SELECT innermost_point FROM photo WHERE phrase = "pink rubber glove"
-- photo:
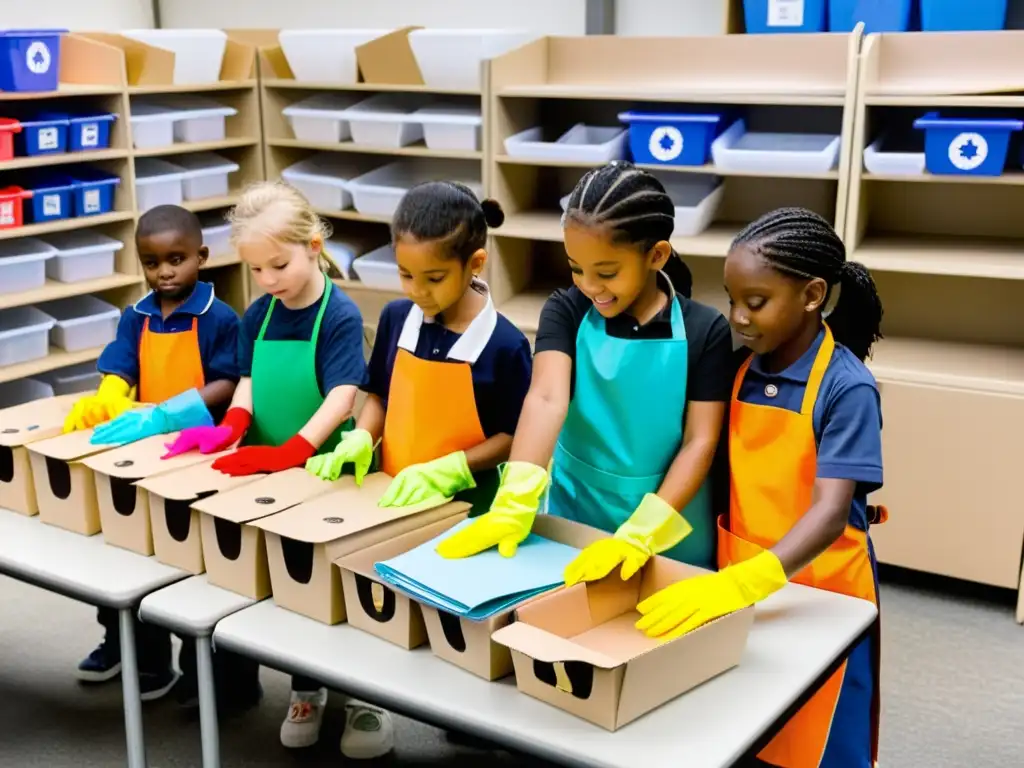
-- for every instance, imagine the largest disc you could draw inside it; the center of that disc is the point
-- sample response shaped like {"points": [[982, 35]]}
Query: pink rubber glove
{"points": [[211, 439]]}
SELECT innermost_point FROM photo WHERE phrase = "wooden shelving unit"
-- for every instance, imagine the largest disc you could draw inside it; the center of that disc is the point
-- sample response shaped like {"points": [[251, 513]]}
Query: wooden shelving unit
{"points": [[556, 82], [947, 254]]}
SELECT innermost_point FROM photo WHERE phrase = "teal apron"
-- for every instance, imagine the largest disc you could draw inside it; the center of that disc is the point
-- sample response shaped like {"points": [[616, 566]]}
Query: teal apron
{"points": [[623, 431]]}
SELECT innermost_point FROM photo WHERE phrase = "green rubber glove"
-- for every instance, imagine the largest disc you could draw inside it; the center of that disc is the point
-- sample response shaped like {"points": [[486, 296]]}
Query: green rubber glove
{"points": [[510, 518], [356, 447], [439, 479], [653, 527]]}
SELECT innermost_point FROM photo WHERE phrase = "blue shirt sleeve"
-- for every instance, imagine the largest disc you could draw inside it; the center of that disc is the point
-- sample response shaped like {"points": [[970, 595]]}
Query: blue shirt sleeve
{"points": [[382, 358], [850, 447], [221, 363], [248, 330], [514, 369], [121, 356], [339, 348]]}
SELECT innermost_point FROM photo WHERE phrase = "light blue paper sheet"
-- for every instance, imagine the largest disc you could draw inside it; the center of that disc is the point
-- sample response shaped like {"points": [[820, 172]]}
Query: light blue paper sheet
{"points": [[480, 586]]}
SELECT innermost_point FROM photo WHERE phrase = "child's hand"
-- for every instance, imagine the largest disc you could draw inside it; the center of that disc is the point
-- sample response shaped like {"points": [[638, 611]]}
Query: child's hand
{"points": [[210, 439], [255, 459], [111, 400]]}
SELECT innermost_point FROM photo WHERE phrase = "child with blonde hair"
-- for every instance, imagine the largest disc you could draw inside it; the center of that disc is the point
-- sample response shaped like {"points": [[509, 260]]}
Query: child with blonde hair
{"points": [[300, 354]]}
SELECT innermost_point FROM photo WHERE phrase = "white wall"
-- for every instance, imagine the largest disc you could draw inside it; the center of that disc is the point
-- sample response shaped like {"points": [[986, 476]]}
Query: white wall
{"points": [[77, 14], [669, 17]]}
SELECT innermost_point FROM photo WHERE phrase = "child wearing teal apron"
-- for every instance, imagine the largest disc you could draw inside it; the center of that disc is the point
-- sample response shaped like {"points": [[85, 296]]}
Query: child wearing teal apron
{"points": [[631, 380]]}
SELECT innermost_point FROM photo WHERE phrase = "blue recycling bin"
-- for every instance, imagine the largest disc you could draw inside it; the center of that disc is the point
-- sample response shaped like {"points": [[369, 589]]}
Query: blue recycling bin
{"points": [[964, 146], [962, 16], [85, 132], [784, 16], [94, 191], [51, 197], [877, 15], [666, 138], [30, 59], [43, 136]]}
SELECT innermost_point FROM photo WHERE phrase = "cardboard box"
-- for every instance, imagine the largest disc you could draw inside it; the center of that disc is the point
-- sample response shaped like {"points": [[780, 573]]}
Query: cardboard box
{"points": [[66, 488], [303, 542], [235, 554], [177, 532], [389, 59], [150, 65], [20, 426], [578, 648]]}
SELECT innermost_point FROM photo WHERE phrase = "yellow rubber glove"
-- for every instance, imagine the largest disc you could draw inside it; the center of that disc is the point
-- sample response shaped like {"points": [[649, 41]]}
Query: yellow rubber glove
{"points": [[654, 526], [114, 397], [688, 604], [355, 447], [510, 518], [438, 479]]}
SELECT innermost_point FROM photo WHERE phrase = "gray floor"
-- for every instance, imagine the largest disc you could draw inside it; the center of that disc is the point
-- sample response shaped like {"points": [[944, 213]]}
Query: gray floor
{"points": [[953, 691]]}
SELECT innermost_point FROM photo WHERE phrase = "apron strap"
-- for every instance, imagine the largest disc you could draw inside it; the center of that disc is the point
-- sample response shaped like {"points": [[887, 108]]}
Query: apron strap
{"points": [[324, 301], [821, 361]]}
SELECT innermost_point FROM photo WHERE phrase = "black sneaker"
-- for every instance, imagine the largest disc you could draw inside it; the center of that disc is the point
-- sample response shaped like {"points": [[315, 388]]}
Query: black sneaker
{"points": [[101, 665], [156, 685]]}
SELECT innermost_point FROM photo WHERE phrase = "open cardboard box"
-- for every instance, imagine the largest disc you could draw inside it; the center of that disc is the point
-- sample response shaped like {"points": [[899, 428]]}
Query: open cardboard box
{"points": [[378, 609], [177, 532], [578, 648], [303, 542], [65, 487], [235, 553], [19, 426], [150, 65]]}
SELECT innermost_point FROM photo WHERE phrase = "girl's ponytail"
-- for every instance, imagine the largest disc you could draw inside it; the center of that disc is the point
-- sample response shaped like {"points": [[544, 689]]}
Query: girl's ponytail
{"points": [[856, 319], [680, 275]]}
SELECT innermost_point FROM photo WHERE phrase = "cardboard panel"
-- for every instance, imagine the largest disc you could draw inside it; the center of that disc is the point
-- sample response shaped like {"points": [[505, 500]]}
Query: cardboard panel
{"points": [[389, 60], [65, 489]]}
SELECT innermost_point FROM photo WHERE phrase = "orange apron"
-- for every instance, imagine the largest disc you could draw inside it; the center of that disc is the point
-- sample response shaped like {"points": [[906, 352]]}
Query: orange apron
{"points": [[773, 460], [169, 363]]}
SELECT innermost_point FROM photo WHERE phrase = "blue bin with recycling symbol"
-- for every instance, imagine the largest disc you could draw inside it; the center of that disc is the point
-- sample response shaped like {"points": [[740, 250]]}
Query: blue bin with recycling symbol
{"points": [[660, 138], [966, 146], [29, 59]]}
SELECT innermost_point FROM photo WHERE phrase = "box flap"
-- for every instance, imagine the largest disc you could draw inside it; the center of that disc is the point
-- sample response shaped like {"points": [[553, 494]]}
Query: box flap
{"points": [[37, 420], [567, 531], [69, 447], [267, 496], [342, 512], [389, 59], [142, 458], [193, 482], [544, 646], [363, 561], [145, 64], [239, 62], [273, 64]]}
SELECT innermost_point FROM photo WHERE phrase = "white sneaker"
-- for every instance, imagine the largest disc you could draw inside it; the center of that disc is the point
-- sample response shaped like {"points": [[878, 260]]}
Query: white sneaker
{"points": [[301, 728], [369, 732]]}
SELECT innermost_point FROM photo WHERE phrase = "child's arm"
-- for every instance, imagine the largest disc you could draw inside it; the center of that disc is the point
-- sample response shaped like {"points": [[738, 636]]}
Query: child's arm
{"points": [[691, 465], [119, 364], [222, 372], [335, 410], [544, 409]]}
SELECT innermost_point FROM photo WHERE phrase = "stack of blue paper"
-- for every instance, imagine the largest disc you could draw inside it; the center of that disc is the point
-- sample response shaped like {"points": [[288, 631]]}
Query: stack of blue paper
{"points": [[480, 586]]}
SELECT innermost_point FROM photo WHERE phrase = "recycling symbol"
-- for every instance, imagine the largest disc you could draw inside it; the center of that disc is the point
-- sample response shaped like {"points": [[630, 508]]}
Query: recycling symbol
{"points": [[37, 58], [968, 151], [666, 143]]}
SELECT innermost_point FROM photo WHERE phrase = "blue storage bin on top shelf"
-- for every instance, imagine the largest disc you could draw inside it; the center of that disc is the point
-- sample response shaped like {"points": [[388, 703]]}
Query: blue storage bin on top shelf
{"points": [[962, 16], [94, 191], [29, 59], [660, 138], [51, 197], [963, 146], [877, 15], [85, 132], [785, 16], [42, 136]]}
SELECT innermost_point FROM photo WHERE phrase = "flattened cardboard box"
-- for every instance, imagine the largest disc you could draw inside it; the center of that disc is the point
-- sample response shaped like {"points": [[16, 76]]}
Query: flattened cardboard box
{"points": [[177, 532], [461, 641], [19, 426], [578, 648], [235, 554], [389, 59], [123, 506], [303, 542], [66, 488]]}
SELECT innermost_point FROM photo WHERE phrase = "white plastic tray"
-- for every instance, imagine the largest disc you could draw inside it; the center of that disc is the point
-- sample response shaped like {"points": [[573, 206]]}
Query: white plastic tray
{"points": [[24, 335], [157, 182], [450, 127], [206, 174], [82, 322], [379, 192], [178, 119], [198, 53], [581, 144], [892, 163], [324, 179], [325, 55], [343, 253], [73, 379], [82, 254], [321, 117], [378, 269], [23, 264], [217, 237], [696, 199], [21, 391], [739, 150], [450, 58], [385, 120]]}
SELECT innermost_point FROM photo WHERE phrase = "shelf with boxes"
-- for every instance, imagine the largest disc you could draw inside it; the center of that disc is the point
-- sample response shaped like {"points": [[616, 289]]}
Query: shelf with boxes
{"points": [[733, 128], [935, 194]]}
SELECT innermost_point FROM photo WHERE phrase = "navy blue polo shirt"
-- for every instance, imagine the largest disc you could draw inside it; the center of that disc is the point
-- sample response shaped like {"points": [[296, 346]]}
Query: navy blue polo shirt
{"points": [[339, 347], [501, 373], [217, 328], [847, 417]]}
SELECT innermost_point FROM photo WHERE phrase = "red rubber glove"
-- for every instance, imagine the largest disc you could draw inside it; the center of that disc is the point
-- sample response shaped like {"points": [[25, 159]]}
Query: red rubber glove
{"points": [[231, 429], [254, 459]]}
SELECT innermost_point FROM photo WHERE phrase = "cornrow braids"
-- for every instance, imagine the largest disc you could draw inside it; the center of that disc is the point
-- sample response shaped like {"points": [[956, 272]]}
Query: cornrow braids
{"points": [[634, 207], [447, 212], [800, 243]]}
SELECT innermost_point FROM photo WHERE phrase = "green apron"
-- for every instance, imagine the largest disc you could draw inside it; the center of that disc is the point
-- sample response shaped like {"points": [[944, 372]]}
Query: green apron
{"points": [[285, 393]]}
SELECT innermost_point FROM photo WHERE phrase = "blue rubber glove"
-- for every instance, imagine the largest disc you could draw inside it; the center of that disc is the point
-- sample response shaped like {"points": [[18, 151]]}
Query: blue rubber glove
{"points": [[180, 412]]}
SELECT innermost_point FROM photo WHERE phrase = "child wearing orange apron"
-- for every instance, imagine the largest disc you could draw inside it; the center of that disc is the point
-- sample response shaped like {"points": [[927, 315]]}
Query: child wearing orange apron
{"points": [[447, 375], [804, 450]]}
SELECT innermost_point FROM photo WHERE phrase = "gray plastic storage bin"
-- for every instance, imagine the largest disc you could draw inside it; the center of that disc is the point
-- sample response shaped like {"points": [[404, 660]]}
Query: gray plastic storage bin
{"points": [[21, 391], [73, 379], [81, 255], [23, 264], [83, 322], [24, 333]]}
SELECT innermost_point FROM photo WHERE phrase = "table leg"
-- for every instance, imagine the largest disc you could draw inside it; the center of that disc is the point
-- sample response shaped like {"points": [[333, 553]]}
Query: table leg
{"points": [[130, 690], [207, 703]]}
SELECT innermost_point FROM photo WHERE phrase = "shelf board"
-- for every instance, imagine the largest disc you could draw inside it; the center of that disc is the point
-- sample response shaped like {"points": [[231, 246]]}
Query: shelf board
{"points": [[979, 367], [1008, 178], [954, 256], [55, 290], [994, 100], [351, 215], [57, 358], [220, 85], [311, 86], [523, 309], [708, 168], [63, 225], [416, 150], [666, 92], [224, 260], [201, 146], [65, 89], [63, 158], [210, 203], [356, 285]]}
